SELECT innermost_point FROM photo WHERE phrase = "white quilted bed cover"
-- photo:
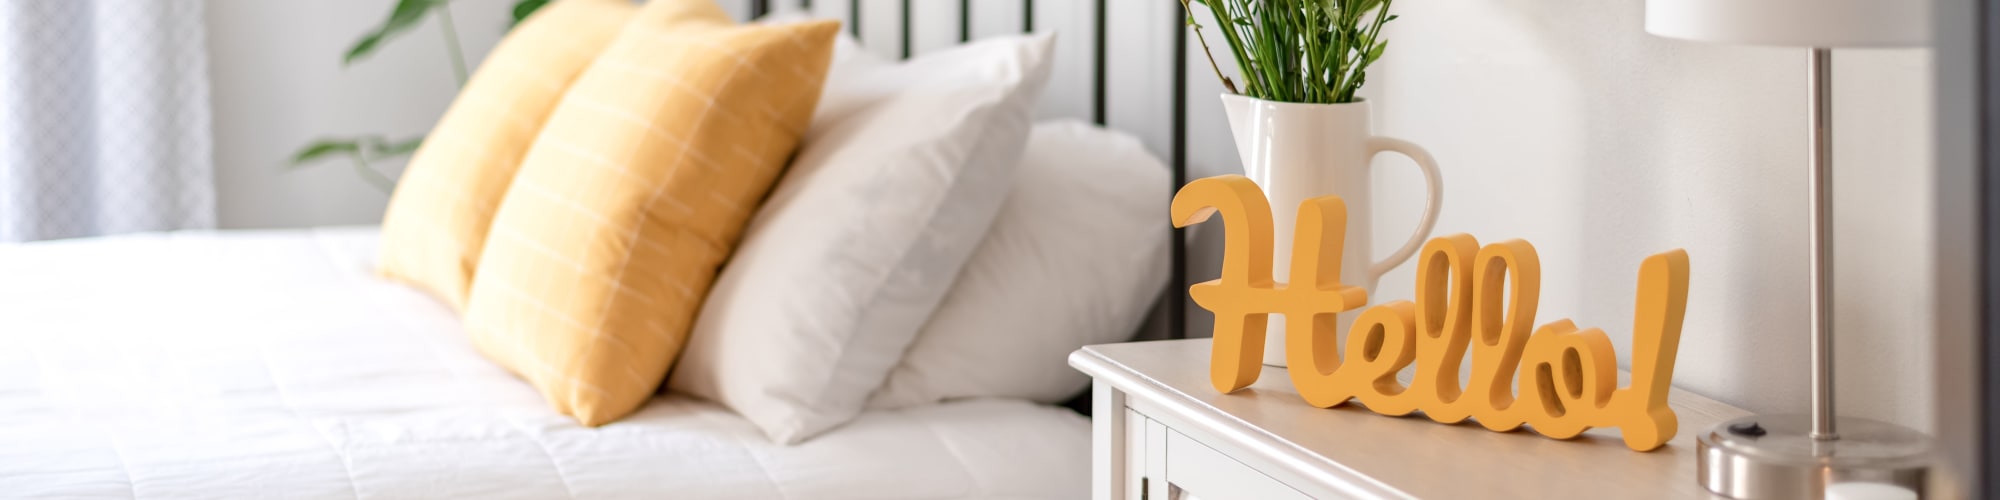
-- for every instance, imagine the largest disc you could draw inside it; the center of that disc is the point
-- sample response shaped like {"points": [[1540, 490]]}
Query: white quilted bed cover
{"points": [[275, 364]]}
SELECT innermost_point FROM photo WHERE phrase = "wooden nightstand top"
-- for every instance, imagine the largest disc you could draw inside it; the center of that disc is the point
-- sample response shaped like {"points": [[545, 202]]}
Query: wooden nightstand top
{"points": [[1353, 451]]}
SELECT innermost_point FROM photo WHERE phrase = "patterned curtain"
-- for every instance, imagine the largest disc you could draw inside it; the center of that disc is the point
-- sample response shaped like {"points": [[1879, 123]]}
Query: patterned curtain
{"points": [[104, 118]]}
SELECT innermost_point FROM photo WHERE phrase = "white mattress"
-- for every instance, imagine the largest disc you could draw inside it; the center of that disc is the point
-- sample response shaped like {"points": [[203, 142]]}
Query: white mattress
{"points": [[274, 364]]}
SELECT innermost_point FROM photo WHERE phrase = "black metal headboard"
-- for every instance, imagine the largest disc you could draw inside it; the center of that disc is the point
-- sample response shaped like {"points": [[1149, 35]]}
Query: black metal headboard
{"points": [[1177, 154]]}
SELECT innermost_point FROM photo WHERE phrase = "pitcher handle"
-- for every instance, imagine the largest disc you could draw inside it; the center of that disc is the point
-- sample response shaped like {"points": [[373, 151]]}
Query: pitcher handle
{"points": [[1434, 199]]}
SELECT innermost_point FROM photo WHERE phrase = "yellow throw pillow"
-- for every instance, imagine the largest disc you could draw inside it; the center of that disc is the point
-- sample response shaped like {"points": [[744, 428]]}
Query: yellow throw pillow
{"points": [[437, 219], [634, 194]]}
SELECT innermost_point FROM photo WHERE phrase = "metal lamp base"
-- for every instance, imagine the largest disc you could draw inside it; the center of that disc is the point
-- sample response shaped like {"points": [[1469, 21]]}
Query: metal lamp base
{"points": [[1775, 456]]}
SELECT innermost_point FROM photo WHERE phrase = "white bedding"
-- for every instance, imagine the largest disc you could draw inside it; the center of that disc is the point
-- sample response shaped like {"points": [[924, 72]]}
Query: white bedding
{"points": [[275, 364]]}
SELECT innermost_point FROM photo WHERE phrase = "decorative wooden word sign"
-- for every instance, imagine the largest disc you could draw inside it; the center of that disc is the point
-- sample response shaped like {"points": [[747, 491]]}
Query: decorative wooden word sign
{"points": [[1568, 377]]}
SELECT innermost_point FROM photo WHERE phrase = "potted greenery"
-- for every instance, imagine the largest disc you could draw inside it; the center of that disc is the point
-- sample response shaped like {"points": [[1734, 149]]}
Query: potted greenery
{"points": [[1301, 131]]}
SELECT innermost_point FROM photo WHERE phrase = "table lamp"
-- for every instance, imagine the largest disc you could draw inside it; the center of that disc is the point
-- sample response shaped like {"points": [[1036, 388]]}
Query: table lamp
{"points": [[1799, 456]]}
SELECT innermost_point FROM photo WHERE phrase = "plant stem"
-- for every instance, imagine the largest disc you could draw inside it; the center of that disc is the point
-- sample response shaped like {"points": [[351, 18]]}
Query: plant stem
{"points": [[450, 32], [1361, 66], [1189, 9], [369, 174], [1230, 34]]}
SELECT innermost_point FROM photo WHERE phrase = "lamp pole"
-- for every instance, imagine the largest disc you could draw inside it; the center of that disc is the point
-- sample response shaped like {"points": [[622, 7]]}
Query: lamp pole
{"points": [[1802, 456], [1819, 92]]}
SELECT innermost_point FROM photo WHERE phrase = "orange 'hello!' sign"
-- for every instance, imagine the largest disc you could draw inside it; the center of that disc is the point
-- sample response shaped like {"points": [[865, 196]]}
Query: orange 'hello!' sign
{"points": [[1568, 377]]}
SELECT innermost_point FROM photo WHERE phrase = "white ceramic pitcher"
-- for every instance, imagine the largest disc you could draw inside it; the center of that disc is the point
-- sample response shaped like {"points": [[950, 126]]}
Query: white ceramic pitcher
{"points": [[1297, 151]]}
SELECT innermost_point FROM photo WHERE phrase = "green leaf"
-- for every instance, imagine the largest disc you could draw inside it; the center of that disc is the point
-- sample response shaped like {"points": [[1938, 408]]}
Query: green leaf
{"points": [[404, 16], [361, 48], [379, 149], [1376, 53], [322, 148], [525, 8]]}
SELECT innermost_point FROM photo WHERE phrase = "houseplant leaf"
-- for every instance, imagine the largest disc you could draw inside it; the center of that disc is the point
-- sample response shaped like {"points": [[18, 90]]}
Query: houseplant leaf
{"points": [[323, 148], [525, 8], [380, 149], [404, 16]]}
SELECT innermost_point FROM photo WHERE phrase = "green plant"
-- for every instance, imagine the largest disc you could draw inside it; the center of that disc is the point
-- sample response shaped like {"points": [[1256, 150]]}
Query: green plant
{"points": [[367, 150], [1310, 51]]}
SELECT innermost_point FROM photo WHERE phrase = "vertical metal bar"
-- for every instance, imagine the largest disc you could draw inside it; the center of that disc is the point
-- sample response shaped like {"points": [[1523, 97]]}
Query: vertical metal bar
{"points": [[1983, 473], [854, 17], [1984, 470], [964, 21], [1097, 92], [906, 29], [759, 7], [806, 5], [1819, 93], [1027, 16], [1177, 300]]}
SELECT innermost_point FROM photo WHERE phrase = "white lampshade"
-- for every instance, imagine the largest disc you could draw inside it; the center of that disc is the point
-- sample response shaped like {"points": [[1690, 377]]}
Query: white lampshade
{"points": [[1798, 23]]}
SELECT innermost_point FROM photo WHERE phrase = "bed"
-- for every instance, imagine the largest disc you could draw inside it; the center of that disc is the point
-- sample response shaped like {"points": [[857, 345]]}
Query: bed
{"points": [[203, 381]]}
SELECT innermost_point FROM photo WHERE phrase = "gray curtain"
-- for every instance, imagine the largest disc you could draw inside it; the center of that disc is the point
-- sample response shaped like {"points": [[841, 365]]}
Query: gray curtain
{"points": [[104, 118]]}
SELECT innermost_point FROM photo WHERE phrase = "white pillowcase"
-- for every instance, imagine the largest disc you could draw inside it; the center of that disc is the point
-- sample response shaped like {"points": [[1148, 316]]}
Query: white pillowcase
{"points": [[900, 176], [1077, 257]]}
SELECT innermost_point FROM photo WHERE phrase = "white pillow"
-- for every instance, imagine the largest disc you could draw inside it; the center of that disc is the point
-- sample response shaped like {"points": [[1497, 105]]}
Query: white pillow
{"points": [[1077, 257], [900, 175]]}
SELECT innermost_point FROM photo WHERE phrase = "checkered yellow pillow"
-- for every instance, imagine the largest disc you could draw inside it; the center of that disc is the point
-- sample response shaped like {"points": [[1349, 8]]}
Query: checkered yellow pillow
{"points": [[437, 219], [633, 195]]}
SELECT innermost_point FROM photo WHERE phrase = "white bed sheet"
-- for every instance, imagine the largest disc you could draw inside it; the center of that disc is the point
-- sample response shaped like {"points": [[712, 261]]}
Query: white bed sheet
{"points": [[275, 364]]}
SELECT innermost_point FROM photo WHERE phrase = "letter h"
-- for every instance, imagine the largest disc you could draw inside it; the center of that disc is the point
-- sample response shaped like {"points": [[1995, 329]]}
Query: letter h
{"points": [[1245, 295]]}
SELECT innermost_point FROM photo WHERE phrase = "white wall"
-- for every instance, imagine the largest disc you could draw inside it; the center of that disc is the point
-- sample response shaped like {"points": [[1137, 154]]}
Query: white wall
{"points": [[1559, 122], [278, 84], [1563, 123]]}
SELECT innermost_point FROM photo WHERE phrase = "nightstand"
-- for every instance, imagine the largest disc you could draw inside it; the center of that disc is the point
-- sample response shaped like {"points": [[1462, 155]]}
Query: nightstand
{"points": [[1160, 431]]}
